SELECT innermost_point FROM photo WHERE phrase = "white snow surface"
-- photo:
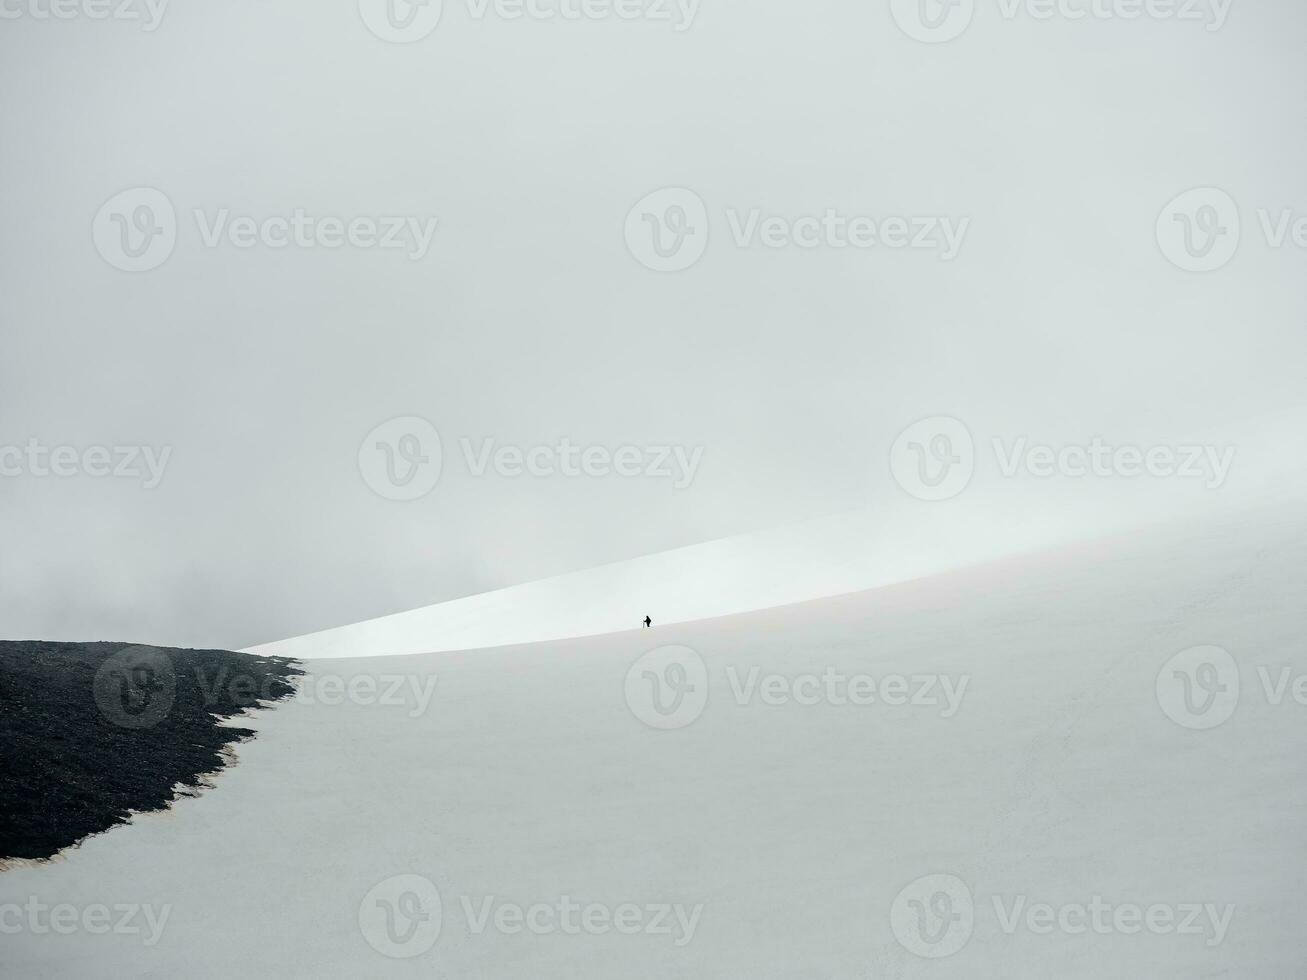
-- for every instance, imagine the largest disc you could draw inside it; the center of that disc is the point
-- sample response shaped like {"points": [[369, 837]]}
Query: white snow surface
{"points": [[1060, 780], [894, 539]]}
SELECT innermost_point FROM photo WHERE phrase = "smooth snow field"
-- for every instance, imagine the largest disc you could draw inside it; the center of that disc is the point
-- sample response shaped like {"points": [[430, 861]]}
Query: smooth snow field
{"points": [[893, 539], [1090, 762]]}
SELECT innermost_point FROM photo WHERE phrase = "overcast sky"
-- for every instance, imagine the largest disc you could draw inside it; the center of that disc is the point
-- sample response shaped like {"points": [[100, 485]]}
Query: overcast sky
{"points": [[1032, 160]]}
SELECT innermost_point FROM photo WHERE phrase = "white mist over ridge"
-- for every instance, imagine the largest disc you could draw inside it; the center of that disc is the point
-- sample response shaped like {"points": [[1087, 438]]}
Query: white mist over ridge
{"points": [[1001, 513]]}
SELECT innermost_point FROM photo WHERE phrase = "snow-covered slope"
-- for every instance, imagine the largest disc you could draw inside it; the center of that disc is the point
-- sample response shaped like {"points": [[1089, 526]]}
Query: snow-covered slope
{"points": [[898, 539], [989, 773]]}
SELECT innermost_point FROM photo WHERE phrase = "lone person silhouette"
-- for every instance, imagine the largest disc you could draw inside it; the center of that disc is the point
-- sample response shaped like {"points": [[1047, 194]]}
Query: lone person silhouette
{"points": [[647, 622]]}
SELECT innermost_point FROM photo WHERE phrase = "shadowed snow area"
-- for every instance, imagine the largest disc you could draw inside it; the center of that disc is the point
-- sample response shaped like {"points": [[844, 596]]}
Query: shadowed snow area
{"points": [[1073, 795]]}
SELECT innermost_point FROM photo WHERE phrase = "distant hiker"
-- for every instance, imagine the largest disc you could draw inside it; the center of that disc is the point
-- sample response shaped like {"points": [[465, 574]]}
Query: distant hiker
{"points": [[647, 622]]}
